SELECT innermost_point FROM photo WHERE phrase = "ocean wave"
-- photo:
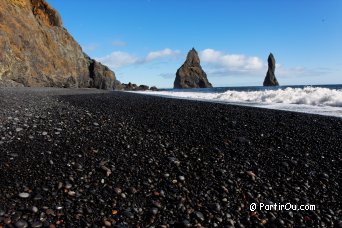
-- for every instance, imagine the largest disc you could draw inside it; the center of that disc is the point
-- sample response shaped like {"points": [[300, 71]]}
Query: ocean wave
{"points": [[314, 96], [307, 96], [314, 100]]}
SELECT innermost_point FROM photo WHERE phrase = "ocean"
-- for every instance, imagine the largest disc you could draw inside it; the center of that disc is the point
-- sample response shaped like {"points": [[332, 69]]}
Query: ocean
{"points": [[315, 99]]}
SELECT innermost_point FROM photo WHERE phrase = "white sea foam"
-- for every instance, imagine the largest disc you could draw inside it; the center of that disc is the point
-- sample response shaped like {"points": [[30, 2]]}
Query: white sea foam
{"points": [[316, 100]]}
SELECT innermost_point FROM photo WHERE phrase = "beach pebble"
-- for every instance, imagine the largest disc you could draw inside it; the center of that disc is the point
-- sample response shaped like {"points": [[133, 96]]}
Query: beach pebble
{"points": [[72, 193], [117, 190], [34, 209], [37, 197], [128, 214], [24, 195], [107, 223], [154, 210], [21, 224], [18, 129], [36, 224], [199, 215]]}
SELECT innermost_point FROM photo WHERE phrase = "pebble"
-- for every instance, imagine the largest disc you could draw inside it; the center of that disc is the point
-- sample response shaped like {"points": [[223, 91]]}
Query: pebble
{"points": [[24, 195], [154, 210], [117, 190], [68, 186], [18, 129], [34, 209], [199, 215], [36, 224], [128, 214], [251, 174], [50, 212], [186, 223], [7, 221], [21, 224], [132, 190], [123, 195], [71, 193], [107, 223], [37, 197]]}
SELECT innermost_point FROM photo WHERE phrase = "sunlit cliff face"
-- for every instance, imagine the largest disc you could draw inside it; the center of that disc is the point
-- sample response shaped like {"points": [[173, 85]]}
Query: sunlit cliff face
{"points": [[41, 9]]}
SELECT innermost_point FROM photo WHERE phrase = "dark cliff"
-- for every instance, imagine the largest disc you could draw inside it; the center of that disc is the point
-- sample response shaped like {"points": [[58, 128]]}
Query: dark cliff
{"points": [[37, 51]]}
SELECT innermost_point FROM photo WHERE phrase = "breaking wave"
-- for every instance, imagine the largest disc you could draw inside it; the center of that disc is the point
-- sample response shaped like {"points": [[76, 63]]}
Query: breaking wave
{"points": [[309, 99]]}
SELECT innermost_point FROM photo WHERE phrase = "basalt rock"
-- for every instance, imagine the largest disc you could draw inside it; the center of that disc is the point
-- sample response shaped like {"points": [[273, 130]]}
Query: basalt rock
{"points": [[191, 74], [153, 88], [135, 87], [37, 51], [270, 79]]}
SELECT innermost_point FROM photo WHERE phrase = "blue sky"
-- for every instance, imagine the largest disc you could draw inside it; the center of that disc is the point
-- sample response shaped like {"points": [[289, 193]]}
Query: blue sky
{"points": [[146, 41]]}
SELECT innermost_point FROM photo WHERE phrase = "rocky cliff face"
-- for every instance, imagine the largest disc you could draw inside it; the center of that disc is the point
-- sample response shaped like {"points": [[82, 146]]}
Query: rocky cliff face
{"points": [[191, 74], [270, 79], [37, 51]]}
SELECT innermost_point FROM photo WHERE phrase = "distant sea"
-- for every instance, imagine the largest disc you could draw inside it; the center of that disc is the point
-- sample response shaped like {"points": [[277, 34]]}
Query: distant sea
{"points": [[316, 99]]}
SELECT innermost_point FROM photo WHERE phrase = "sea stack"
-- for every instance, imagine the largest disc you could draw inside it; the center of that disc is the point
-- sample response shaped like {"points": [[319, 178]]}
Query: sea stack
{"points": [[37, 51], [190, 74], [270, 79]]}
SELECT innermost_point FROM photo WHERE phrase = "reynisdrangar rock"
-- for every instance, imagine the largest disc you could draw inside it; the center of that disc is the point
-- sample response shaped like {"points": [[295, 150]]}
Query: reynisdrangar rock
{"points": [[270, 79], [191, 74]]}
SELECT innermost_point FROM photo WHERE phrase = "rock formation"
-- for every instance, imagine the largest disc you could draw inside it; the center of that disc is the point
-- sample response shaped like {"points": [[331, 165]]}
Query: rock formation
{"points": [[135, 87], [37, 51], [270, 79], [191, 74]]}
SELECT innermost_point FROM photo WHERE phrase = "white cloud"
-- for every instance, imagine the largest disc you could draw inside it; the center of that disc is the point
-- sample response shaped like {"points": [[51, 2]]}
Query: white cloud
{"points": [[119, 59], [231, 63], [160, 54]]}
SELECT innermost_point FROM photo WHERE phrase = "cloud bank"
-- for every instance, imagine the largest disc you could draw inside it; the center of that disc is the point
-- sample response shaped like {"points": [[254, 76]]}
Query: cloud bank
{"points": [[119, 59], [231, 64]]}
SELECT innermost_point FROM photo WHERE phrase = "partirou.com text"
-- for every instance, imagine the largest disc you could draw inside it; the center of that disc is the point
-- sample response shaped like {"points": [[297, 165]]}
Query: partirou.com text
{"points": [[281, 207]]}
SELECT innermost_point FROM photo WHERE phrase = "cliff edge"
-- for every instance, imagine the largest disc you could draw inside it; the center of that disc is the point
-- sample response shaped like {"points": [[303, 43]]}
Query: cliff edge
{"points": [[36, 50]]}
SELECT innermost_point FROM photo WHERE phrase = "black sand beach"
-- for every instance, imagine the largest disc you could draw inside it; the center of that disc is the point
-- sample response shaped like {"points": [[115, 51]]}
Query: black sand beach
{"points": [[78, 158]]}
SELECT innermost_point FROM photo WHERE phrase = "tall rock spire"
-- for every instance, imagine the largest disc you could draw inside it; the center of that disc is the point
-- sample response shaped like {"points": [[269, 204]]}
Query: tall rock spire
{"points": [[191, 74], [270, 79]]}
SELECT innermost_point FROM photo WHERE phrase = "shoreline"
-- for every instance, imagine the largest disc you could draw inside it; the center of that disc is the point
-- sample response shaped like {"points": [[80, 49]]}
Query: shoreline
{"points": [[276, 103], [117, 158], [252, 105]]}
